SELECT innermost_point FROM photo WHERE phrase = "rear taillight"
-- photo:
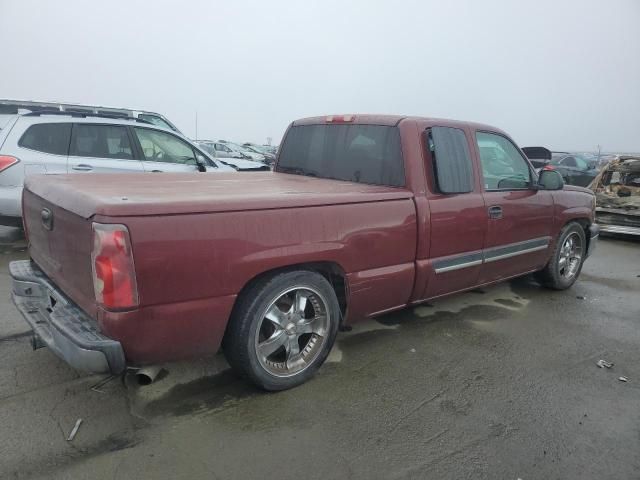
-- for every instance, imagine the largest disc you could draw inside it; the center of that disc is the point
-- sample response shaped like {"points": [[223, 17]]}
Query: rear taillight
{"points": [[548, 167], [114, 275], [6, 161]]}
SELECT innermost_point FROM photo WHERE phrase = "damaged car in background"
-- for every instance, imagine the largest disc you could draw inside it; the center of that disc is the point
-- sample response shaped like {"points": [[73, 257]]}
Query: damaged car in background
{"points": [[575, 168], [617, 189]]}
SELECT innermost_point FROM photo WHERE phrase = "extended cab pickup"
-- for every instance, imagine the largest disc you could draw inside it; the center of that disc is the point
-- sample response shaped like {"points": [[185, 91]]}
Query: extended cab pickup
{"points": [[362, 215]]}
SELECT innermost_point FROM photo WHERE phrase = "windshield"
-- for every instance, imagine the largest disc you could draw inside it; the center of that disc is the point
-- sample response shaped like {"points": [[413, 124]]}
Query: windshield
{"points": [[156, 120], [208, 147], [357, 153], [234, 147]]}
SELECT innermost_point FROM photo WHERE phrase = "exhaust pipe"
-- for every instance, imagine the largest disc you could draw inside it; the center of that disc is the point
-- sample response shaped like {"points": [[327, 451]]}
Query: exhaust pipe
{"points": [[36, 342], [147, 375]]}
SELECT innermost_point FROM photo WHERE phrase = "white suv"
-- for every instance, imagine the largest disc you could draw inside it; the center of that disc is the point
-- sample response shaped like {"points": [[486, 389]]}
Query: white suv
{"points": [[64, 142]]}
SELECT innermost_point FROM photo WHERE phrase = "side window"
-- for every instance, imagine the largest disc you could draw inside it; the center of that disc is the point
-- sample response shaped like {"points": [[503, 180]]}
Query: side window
{"points": [[163, 147], [47, 138], [100, 141], [452, 166], [581, 163], [569, 162], [503, 167]]}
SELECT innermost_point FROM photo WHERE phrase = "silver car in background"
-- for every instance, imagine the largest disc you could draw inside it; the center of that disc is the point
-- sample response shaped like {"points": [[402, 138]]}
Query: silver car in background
{"points": [[223, 152], [66, 142]]}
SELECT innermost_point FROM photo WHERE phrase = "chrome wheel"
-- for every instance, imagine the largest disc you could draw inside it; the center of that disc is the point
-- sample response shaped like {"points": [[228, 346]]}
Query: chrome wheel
{"points": [[292, 331], [570, 256]]}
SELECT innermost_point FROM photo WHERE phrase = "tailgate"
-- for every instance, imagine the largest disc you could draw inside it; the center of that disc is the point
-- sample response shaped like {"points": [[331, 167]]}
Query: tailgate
{"points": [[62, 249]]}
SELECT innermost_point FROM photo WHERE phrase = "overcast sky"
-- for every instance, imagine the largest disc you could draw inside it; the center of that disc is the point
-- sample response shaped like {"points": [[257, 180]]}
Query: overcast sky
{"points": [[559, 73]]}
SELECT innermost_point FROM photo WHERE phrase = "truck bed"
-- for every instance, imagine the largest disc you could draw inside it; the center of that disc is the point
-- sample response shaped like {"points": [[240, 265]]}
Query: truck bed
{"points": [[116, 195]]}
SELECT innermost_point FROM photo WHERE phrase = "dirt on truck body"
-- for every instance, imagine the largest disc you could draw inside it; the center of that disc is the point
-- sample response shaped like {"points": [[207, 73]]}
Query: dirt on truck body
{"points": [[617, 189]]}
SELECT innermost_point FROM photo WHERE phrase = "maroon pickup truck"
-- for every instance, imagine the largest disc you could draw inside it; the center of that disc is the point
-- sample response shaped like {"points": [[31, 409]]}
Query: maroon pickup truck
{"points": [[363, 215]]}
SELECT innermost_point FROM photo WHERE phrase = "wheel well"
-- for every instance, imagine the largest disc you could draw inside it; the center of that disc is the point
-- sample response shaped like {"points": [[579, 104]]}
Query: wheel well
{"points": [[334, 274], [585, 224]]}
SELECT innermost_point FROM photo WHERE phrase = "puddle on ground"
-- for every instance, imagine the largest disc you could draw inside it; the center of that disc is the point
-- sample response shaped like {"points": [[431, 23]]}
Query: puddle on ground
{"points": [[204, 394]]}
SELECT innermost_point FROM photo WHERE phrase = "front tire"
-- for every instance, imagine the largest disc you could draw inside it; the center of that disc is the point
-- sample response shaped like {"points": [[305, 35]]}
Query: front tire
{"points": [[282, 329], [567, 259]]}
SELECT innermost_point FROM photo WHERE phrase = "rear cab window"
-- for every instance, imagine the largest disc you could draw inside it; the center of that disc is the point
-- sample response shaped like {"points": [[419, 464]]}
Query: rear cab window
{"points": [[503, 167], [359, 153], [450, 160], [50, 138]]}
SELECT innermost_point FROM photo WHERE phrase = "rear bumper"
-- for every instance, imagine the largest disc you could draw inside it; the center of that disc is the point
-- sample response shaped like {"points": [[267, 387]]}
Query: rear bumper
{"points": [[61, 325]]}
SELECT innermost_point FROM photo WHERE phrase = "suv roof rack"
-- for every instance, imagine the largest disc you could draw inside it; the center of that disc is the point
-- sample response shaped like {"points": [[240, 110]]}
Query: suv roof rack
{"points": [[13, 106], [37, 113]]}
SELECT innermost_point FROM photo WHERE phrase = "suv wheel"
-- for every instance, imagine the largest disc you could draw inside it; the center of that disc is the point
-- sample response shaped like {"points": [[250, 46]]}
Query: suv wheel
{"points": [[282, 329]]}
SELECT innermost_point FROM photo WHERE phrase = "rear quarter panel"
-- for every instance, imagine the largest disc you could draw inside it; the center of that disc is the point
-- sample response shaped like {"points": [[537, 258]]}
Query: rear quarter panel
{"points": [[190, 268]]}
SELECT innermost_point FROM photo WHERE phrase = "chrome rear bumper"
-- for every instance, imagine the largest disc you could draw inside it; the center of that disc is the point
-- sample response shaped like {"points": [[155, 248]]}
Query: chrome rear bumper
{"points": [[60, 324]]}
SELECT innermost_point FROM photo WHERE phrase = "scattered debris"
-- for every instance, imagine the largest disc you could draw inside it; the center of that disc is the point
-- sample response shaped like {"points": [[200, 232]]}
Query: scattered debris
{"points": [[413, 350], [75, 430], [623, 379], [580, 297], [604, 364], [102, 383]]}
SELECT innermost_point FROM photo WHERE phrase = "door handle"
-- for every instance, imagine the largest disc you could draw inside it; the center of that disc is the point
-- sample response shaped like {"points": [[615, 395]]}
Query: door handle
{"points": [[82, 167], [495, 211]]}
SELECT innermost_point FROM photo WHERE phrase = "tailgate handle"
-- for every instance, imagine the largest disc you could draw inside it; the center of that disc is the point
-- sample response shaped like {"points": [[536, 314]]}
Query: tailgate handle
{"points": [[47, 218], [83, 167], [495, 211]]}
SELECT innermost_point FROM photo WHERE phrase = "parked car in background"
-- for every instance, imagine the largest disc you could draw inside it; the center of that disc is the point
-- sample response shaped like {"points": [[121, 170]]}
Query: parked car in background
{"points": [[66, 142], [576, 169], [538, 156], [219, 149], [269, 157], [617, 189], [247, 153], [14, 107], [364, 214], [235, 159]]}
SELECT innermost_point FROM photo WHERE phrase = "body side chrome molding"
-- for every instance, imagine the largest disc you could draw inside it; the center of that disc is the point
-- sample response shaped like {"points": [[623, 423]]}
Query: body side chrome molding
{"points": [[493, 254]]}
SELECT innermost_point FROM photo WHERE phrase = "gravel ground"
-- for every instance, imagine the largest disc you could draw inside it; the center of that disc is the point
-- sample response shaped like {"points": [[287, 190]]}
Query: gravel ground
{"points": [[500, 383]]}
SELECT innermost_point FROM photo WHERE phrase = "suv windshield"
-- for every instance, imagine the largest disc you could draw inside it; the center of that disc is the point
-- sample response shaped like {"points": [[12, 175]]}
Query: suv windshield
{"points": [[356, 153], [156, 120]]}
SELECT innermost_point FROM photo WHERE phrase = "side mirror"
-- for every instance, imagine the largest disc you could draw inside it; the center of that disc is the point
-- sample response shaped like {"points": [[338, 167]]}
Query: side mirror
{"points": [[201, 163], [550, 180]]}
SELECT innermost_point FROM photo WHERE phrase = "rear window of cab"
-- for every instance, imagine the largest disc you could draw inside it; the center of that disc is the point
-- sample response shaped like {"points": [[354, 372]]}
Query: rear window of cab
{"points": [[368, 154]]}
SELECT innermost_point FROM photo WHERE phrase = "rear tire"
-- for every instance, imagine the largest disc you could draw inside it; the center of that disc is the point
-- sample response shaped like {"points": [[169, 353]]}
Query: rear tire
{"points": [[282, 329], [567, 259]]}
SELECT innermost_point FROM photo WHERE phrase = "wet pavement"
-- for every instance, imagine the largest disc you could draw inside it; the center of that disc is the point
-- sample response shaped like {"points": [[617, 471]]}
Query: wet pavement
{"points": [[498, 383]]}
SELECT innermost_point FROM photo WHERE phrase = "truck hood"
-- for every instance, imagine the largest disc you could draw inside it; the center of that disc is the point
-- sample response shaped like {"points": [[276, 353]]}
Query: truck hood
{"points": [[576, 188], [122, 194]]}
